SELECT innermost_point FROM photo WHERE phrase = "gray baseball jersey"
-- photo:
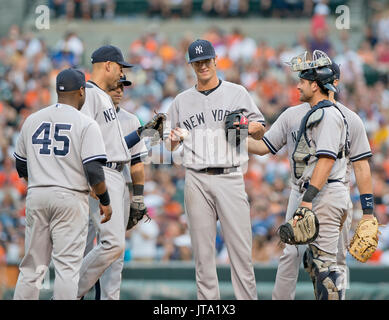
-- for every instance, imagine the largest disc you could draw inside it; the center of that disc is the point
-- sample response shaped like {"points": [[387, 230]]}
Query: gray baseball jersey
{"points": [[99, 262], [98, 105], [204, 117], [212, 197], [55, 142], [110, 280], [284, 132]]}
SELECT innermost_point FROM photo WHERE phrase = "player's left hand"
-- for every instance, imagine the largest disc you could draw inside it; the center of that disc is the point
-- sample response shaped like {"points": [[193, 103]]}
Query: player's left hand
{"points": [[137, 211], [302, 228], [153, 127]]}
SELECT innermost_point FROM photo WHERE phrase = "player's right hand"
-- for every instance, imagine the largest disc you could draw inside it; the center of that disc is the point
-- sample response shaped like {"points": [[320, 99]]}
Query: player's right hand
{"points": [[106, 211], [178, 134]]}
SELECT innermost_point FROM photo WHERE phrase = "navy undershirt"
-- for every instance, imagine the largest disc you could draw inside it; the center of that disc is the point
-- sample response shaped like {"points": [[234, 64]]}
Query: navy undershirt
{"points": [[207, 92]]}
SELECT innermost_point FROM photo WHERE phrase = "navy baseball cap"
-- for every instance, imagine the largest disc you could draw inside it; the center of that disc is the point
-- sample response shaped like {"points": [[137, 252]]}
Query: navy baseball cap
{"points": [[200, 50], [124, 81], [109, 53], [70, 80]]}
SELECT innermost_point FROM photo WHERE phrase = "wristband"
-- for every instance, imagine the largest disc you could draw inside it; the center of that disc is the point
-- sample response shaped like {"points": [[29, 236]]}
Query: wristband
{"points": [[367, 203], [138, 189], [104, 198], [132, 139], [310, 193]]}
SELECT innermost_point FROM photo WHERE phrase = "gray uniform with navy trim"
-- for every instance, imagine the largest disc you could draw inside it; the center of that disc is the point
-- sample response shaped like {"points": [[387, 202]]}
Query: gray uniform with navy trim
{"points": [[111, 279], [55, 142], [222, 197], [99, 106], [283, 133]]}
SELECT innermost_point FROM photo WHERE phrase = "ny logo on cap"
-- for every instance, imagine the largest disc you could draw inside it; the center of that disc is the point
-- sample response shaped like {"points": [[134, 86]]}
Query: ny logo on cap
{"points": [[199, 49]]}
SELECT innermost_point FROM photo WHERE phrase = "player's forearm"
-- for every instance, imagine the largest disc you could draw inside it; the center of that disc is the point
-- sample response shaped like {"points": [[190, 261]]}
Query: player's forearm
{"points": [[363, 176], [99, 188], [101, 191], [321, 172], [257, 146], [365, 186], [318, 180], [256, 130], [137, 172]]}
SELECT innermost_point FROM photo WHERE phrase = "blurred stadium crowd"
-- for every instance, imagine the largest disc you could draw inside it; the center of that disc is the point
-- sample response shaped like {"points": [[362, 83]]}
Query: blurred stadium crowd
{"points": [[106, 9], [28, 68]]}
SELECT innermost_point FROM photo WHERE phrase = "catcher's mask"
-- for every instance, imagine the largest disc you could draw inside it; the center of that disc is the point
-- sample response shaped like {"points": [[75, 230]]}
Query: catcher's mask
{"points": [[318, 68]]}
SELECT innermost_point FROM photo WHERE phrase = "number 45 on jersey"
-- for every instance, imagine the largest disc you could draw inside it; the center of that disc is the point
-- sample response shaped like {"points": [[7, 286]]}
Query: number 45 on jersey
{"points": [[42, 137]]}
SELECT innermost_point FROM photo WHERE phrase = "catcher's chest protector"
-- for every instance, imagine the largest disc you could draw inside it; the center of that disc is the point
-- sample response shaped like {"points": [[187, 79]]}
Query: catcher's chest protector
{"points": [[304, 149]]}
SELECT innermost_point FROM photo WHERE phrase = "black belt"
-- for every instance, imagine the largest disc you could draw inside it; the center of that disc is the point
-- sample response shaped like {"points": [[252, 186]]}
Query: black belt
{"points": [[217, 170], [118, 166], [306, 184]]}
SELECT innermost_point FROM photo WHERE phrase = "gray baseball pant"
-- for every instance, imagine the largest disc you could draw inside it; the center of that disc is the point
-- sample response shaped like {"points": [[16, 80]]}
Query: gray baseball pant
{"points": [[56, 228], [111, 236], [335, 207], [110, 281], [223, 197]]}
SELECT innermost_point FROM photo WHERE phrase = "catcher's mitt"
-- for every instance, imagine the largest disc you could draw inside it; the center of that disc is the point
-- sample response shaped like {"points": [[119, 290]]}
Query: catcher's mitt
{"points": [[303, 228], [137, 211], [365, 240], [235, 123], [153, 128]]}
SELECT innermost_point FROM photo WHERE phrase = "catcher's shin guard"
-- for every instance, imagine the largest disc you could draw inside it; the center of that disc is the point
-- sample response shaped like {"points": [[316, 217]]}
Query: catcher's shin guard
{"points": [[325, 276]]}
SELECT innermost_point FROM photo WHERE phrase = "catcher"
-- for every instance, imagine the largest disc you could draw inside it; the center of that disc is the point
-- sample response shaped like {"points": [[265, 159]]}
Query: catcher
{"points": [[319, 148], [283, 133]]}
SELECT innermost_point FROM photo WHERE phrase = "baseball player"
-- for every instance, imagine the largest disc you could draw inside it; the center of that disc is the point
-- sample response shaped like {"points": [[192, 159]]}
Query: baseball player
{"points": [[59, 151], [214, 185], [107, 64], [109, 284], [284, 132]]}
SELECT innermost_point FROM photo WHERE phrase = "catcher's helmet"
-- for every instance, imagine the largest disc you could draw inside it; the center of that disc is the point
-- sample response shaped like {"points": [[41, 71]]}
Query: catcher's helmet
{"points": [[317, 68], [324, 76]]}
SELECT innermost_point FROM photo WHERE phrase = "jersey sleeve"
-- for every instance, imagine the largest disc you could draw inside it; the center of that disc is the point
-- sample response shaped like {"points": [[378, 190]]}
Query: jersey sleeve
{"points": [[328, 134], [92, 144], [251, 111], [20, 152], [276, 137], [359, 143]]}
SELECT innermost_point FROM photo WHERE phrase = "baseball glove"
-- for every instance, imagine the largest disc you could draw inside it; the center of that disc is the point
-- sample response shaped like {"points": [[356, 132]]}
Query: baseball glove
{"points": [[365, 240], [137, 211], [235, 123], [153, 128], [303, 228]]}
